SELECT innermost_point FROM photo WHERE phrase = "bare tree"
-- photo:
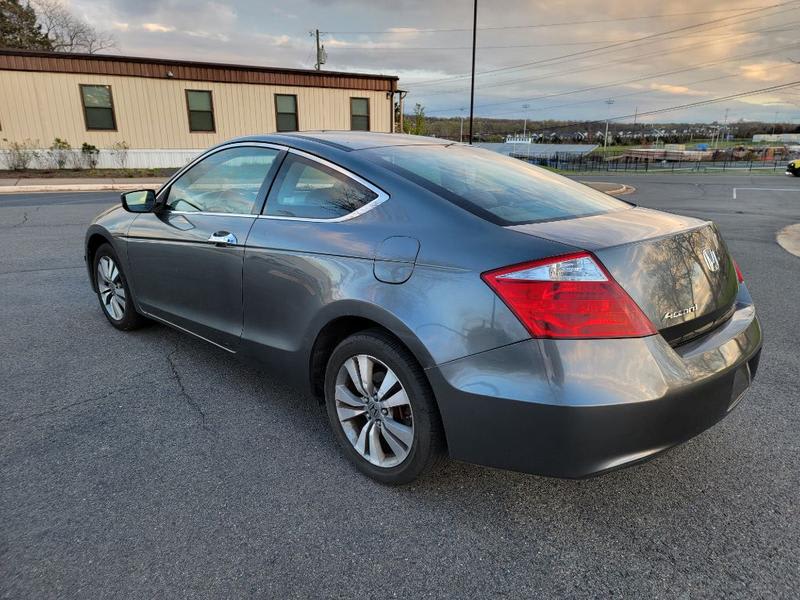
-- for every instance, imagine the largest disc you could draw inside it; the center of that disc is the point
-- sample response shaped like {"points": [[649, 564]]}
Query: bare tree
{"points": [[68, 33]]}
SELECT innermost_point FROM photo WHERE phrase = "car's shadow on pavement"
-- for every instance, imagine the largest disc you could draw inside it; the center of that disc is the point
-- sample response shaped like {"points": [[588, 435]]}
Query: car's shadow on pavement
{"points": [[220, 389]]}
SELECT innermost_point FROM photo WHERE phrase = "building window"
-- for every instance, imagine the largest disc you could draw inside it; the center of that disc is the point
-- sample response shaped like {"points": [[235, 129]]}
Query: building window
{"points": [[98, 107], [286, 112], [359, 114], [201, 110]]}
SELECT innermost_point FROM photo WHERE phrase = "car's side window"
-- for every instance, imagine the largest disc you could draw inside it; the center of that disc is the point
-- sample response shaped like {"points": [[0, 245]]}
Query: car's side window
{"points": [[308, 189], [228, 181]]}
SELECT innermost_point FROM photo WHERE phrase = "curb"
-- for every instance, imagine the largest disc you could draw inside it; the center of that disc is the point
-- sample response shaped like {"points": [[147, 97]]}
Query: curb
{"points": [[602, 186], [789, 239], [78, 187]]}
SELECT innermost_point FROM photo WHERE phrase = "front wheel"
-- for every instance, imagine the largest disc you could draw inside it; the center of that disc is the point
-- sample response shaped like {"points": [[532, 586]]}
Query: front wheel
{"points": [[382, 409], [113, 291]]}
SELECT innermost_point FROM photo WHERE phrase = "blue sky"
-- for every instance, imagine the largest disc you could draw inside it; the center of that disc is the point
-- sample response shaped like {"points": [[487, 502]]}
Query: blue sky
{"points": [[548, 52]]}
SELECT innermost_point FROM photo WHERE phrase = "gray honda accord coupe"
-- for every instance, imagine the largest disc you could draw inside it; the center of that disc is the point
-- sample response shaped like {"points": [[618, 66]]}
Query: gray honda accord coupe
{"points": [[440, 298]]}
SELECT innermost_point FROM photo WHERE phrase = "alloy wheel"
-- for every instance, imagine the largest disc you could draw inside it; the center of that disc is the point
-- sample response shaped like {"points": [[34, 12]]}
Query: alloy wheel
{"points": [[111, 287], [374, 411]]}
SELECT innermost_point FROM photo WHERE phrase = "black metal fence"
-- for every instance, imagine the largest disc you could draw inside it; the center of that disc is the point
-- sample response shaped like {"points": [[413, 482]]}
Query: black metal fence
{"points": [[595, 162]]}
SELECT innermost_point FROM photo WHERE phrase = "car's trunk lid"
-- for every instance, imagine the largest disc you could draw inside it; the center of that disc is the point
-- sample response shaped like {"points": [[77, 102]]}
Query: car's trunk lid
{"points": [[677, 269]]}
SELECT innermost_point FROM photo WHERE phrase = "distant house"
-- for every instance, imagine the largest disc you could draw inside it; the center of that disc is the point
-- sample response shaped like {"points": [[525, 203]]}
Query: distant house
{"points": [[786, 138]]}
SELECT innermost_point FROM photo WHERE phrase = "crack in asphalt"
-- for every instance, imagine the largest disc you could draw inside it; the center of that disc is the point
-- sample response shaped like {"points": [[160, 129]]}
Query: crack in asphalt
{"points": [[25, 217], [58, 409], [194, 404], [24, 220]]}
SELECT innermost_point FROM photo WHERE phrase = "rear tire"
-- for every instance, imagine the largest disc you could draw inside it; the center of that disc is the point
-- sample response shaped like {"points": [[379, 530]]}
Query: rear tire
{"points": [[113, 291], [387, 422]]}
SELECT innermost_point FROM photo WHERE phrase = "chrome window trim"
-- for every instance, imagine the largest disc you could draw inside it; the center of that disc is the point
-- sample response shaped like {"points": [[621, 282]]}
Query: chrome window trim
{"points": [[212, 214], [380, 199]]}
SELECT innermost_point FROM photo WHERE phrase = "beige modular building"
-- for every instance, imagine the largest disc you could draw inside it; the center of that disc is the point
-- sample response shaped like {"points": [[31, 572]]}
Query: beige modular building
{"points": [[166, 111]]}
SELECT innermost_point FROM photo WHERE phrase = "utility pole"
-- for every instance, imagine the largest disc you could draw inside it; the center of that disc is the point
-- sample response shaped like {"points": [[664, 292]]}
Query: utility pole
{"points": [[472, 82], [461, 130], [525, 123], [610, 101], [725, 125], [321, 57]]}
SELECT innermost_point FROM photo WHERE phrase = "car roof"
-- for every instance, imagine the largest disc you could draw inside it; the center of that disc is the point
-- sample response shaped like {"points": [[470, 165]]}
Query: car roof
{"points": [[347, 141]]}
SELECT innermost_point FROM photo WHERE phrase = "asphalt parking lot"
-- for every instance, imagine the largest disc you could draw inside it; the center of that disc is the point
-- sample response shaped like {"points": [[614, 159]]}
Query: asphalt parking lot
{"points": [[150, 464]]}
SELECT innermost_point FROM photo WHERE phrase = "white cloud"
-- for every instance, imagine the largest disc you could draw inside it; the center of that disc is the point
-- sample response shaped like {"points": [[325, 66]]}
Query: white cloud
{"points": [[157, 28], [764, 71], [680, 90]]}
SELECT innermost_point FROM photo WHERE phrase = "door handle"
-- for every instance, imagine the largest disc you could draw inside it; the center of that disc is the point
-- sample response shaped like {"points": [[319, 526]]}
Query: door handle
{"points": [[223, 238]]}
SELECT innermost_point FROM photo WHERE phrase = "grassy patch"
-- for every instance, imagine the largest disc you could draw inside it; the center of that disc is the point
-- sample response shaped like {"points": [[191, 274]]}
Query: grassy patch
{"points": [[85, 173]]}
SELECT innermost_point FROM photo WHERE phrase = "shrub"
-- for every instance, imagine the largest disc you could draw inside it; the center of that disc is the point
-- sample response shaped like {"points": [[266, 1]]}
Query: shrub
{"points": [[89, 156], [119, 152], [20, 155], [59, 153]]}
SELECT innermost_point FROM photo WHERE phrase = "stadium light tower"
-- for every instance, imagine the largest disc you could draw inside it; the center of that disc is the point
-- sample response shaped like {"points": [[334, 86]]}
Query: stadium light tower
{"points": [[610, 101], [525, 107]]}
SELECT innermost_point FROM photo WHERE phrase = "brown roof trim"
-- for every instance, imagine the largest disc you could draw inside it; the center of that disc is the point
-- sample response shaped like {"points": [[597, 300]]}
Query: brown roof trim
{"points": [[156, 68]]}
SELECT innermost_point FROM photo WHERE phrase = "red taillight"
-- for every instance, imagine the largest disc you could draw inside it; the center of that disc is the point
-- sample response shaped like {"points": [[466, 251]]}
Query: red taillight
{"points": [[739, 275], [569, 296]]}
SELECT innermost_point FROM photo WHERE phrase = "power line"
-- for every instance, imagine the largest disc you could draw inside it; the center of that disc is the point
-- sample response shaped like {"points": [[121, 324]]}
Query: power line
{"points": [[562, 73], [596, 50], [394, 48], [355, 46], [773, 88], [510, 115], [400, 30], [658, 111], [635, 80], [628, 95]]}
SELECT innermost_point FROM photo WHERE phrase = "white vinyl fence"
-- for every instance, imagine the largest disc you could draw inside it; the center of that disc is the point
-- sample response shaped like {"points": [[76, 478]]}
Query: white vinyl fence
{"points": [[135, 159]]}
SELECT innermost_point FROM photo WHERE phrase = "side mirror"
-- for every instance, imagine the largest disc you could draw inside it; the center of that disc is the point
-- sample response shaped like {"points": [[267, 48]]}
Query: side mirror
{"points": [[140, 201]]}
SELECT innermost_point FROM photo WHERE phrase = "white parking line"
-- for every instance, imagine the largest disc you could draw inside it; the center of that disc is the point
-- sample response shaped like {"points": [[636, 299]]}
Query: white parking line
{"points": [[767, 190]]}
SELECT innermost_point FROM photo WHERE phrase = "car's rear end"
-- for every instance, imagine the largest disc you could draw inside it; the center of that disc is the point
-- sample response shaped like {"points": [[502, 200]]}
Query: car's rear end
{"points": [[634, 348], [641, 337]]}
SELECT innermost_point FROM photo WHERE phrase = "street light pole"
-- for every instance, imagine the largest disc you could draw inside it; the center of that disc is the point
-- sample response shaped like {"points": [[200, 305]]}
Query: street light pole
{"points": [[610, 101], [461, 130], [525, 123], [472, 82]]}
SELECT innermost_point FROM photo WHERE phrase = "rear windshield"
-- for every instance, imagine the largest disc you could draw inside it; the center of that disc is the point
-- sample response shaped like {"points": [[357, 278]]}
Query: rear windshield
{"points": [[504, 190]]}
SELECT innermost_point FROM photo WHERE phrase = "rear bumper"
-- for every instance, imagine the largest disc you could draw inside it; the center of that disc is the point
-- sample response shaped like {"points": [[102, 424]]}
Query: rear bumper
{"points": [[573, 408]]}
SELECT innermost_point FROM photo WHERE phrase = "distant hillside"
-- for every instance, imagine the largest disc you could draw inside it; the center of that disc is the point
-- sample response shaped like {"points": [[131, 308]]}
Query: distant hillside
{"points": [[495, 130]]}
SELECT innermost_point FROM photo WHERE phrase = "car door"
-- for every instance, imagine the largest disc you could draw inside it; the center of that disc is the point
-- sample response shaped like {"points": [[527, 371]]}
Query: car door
{"points": [[316, 237], [186, 258]]}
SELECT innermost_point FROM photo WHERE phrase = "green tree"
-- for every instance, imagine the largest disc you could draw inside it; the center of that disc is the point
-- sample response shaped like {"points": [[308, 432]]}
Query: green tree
{"points": [[18, 28], [416, 125]]}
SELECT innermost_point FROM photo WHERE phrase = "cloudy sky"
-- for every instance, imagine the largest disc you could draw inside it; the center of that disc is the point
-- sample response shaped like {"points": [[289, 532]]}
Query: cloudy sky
{"points": [[546, 59]]}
